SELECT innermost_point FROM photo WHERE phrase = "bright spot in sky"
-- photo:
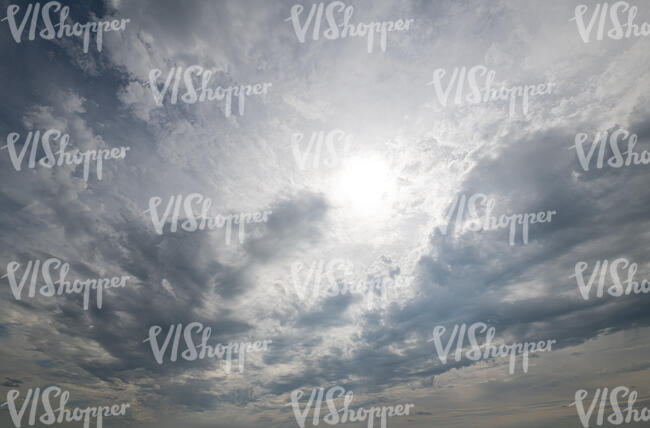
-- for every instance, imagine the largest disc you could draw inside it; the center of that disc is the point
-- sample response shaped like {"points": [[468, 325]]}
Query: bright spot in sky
{"points": [[365, 187]]}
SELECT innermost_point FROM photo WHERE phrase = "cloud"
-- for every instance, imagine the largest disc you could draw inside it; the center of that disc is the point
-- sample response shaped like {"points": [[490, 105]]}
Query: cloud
{"points": [[245, 163]]}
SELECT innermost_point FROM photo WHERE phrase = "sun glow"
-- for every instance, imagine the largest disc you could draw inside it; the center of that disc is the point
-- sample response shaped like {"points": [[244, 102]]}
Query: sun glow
{"points": [[365, 186]]}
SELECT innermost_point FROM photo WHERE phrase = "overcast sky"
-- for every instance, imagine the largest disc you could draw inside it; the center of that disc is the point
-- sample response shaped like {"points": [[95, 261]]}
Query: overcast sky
{"points": [[377, 207]]}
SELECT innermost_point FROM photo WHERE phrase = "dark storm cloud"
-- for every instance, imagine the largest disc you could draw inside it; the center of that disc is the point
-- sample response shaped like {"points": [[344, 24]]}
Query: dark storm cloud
{"points": [[12, 383], [294, 224], [330, 313]]}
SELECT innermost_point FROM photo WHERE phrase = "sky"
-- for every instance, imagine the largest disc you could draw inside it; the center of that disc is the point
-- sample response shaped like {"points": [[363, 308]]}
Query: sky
{"points": [[367, 204]]}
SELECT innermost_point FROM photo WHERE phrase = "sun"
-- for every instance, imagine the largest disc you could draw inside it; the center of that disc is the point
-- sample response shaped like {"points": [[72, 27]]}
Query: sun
{"points": [[365, 186]]}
